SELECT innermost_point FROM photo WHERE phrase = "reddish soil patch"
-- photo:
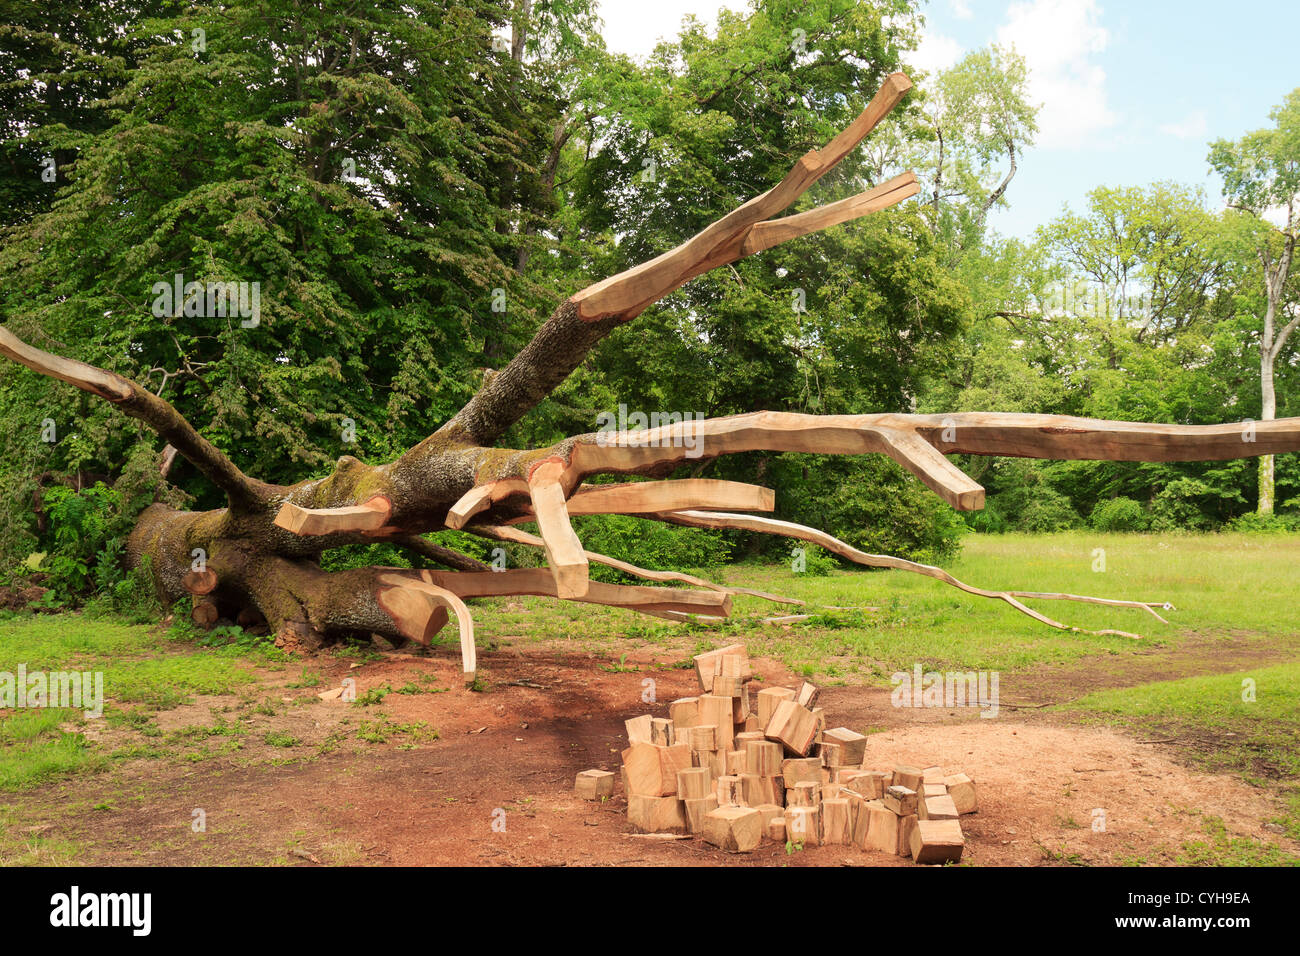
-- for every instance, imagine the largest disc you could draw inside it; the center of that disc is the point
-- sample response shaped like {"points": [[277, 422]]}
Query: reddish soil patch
{"points": [[511, 754]]}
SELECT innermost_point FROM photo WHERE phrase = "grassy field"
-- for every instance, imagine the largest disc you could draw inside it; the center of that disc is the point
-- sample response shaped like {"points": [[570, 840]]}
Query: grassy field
{"points": [[1240, 584], [1227, 590]]}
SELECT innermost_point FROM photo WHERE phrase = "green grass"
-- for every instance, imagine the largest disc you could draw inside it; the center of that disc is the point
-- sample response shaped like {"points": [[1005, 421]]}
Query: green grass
{"points": [[1253, 738], [145, 668], [34, 749], [926, 621]]}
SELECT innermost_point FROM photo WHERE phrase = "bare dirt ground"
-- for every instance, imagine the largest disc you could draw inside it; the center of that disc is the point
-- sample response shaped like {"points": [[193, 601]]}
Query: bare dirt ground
{"points": [[507, 757]]}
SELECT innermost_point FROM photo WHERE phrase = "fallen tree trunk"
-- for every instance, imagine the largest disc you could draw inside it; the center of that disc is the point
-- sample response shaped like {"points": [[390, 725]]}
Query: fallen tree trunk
{"points": [[259, 556]]}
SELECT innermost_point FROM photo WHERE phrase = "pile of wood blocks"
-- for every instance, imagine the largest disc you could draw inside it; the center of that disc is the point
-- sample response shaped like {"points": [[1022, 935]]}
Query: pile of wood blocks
{"points": [[736, 774]]}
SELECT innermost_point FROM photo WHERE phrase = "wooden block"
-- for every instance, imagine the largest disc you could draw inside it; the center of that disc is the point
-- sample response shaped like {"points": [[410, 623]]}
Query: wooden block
{"points": [[703, 737], [906, 827], [856, 804], [757, 790], [830, 788], [638, 729], [735, 665], [735, 762], [656, 814], [881, 830], [652, 770], [908, 777], [937, 841], [806, 794], [861, 820], [803, 825], [847, 775], [768, 698], [929, 790], [714, 760], [793, 726], [763, 757], [743, 737], [697, 808], [694, 783], [888, 778], [594, 784], [740, 708], [819, 722], [709, 664], [728, 686], [776, 829], [853, 746], [684, 712], [752, 723], [736, 829], [799, 770], [716, 710], [729, 792], [661, 731], [900, 800], [832, 755], [962, 790], [836, 826], [932, 775], [807, 696], [937, 808], [871, 784], [771, 811]]}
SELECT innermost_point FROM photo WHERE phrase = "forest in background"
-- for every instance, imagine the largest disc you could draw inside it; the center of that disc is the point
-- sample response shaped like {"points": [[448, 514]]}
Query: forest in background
{"points": [[415, 186]]}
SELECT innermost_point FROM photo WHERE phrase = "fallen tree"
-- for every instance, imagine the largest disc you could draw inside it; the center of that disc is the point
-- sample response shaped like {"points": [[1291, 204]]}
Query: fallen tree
{"points": [[260, 555]]}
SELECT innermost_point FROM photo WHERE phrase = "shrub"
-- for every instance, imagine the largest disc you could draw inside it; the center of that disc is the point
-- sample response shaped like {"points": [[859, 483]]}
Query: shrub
{"points": [[1182, 505], [1253, 522], [868, 502], [86, 539], [649, 544], [1119, 514], [812, 560]]}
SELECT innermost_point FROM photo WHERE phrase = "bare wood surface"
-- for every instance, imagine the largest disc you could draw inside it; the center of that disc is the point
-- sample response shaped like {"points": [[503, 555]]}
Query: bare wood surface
{"points": [[564, 552], [370, 515]]}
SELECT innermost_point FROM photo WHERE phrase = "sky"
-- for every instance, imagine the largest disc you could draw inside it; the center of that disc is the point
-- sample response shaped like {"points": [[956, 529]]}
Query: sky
{"points": [[1130, 93]]}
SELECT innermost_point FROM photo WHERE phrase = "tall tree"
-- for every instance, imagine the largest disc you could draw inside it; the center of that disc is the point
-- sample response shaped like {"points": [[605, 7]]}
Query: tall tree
{"points": [[977, 121], [1261, 178]]}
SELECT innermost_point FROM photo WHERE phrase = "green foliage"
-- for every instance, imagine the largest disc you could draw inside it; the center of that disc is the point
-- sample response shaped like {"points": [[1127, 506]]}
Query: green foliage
{"points": [[1024, 494], [1119, 514], [649, 544], [1252, 522], [86, 543], [817, 561], [364, 556], [869, 502], [1182, 505]]}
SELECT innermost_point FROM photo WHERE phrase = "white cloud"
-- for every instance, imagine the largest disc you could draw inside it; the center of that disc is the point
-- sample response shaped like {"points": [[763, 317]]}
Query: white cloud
{"points": [[1192, 126], [635, 26], [961, 9], [1059, 40], [935, 52]]}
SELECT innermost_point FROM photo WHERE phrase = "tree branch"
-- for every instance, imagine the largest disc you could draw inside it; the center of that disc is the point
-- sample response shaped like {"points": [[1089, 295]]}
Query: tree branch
{"points": [[141, 404], [588, 316]]}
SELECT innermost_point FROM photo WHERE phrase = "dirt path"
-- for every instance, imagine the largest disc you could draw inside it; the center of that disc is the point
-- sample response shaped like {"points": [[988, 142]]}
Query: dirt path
{"points": [[509, 756]]}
